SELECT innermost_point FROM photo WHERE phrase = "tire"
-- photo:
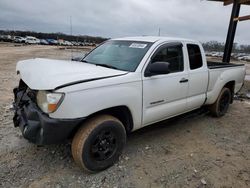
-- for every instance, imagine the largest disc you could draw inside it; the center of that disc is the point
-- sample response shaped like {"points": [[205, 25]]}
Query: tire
{"points": [[220, 107], [98, 143]]}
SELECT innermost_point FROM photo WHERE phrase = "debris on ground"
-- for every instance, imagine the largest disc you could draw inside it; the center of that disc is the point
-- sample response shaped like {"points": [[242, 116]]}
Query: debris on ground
{"points": [[203, 181]]}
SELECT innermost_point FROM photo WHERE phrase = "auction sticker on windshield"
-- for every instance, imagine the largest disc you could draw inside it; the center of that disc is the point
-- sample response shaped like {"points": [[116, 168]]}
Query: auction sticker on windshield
{"points": [[138, 45]]}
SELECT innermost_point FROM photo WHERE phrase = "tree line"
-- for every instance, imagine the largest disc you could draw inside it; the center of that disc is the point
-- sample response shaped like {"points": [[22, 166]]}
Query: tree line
{"points": [[208, 46], [219, 47], [56, 36]]}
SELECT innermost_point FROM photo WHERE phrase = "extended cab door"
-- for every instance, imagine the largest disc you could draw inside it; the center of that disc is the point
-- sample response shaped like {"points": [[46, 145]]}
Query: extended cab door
{"points": [[165, 95], [198, 76]]}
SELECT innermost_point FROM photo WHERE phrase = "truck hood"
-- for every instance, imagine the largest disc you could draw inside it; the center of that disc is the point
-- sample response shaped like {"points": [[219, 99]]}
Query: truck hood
{"points": [[48, 74]]}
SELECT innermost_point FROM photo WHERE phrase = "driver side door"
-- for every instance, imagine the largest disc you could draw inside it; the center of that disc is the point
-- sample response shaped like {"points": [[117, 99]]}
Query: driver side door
{"points": [[165, 95]]}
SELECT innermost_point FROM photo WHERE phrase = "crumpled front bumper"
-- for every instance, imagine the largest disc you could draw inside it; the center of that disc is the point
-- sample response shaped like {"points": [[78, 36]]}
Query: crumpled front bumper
{"points": [[37, 126]]}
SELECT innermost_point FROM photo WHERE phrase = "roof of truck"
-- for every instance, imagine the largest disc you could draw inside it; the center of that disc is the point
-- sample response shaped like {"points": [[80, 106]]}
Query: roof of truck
{"points": [[153, 39]]}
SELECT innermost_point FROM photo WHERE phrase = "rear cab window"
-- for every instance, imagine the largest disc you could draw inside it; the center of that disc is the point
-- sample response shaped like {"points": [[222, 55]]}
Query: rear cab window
{"points": [[195, 57]]}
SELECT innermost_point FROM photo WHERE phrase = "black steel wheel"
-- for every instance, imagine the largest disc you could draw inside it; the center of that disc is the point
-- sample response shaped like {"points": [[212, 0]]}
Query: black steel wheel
{"points": [[104, 145], [98, 143], [221, 105]]}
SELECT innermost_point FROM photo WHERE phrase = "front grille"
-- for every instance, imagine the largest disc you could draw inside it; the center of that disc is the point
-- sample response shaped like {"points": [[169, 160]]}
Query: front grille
{"points": [[31, 94], [23, 94]]}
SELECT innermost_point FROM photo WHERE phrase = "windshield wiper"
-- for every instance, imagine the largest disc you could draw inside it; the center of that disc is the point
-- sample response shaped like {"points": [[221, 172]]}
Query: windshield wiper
{"points": [[84, 61], [99, 64], [105, 65]]}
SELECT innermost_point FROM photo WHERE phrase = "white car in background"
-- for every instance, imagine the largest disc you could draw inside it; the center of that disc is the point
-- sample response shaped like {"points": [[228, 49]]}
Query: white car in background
{"points": [[244, 58], [32, 40], [67, 43], [19, 39]]}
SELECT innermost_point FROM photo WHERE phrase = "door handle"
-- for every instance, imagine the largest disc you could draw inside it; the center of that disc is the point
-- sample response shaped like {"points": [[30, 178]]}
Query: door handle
{"points": [[183, 80]]}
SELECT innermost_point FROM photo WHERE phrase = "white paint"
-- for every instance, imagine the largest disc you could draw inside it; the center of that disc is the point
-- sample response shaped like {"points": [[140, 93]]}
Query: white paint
{"points": [[132, 90], [47, 74]]}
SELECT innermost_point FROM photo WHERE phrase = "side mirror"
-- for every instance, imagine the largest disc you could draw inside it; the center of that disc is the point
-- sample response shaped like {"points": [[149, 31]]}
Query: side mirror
{"points": [[157, 68]]}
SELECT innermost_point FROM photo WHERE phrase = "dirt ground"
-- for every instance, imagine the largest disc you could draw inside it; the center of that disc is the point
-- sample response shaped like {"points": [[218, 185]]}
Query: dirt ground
{"points": [[194, 150]]}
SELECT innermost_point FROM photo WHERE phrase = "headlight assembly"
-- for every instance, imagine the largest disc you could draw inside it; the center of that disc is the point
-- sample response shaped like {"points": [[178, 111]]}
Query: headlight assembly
{"points": [[48, 102]]}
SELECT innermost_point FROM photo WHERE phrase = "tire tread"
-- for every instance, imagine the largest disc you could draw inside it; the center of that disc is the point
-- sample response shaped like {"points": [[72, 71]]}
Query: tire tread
{"points": [[214, 107], [82, 135]]}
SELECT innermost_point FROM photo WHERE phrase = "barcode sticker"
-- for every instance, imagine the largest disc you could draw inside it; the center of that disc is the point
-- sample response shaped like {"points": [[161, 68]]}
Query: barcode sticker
{"points": [[138, 45]]}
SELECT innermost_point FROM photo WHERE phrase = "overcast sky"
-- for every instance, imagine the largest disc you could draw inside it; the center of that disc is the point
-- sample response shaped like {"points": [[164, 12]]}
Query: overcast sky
{"points": [[196, 19]]}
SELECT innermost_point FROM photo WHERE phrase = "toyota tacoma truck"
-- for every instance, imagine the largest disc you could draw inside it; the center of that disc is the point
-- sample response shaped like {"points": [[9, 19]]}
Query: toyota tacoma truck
{"points": [[122, 85]]}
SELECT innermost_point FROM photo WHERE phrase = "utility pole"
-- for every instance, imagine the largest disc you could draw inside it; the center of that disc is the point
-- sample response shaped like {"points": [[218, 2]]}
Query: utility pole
{"points": [[70, 26], [71, 36], [159, 32]]}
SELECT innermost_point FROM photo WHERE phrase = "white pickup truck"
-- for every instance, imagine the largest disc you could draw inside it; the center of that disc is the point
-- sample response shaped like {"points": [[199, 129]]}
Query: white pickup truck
{"points": [[121, 86]]}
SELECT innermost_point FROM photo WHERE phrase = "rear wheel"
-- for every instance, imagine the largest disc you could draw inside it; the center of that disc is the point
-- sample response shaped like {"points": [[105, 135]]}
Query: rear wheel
{"points": [[98, 143], [220, 107]]}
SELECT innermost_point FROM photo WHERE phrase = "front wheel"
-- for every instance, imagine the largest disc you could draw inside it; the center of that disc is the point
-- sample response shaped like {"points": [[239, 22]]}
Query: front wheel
{"points": [[220, 107], [98, 143]]}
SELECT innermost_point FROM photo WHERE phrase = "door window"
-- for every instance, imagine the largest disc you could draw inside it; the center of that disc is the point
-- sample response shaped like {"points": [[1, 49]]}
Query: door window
{"points": [[172, 55], [195, 58]]}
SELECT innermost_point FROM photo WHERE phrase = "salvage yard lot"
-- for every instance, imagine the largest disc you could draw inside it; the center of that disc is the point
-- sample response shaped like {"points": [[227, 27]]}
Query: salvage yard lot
{"points": [[195, 150]]}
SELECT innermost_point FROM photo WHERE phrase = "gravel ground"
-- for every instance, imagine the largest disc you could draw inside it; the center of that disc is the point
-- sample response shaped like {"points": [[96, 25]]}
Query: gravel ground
{"points": [[194, 150]]}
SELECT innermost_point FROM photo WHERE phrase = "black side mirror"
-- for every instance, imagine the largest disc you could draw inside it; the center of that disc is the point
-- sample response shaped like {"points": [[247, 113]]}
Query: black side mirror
{"points": [[157, 68]]}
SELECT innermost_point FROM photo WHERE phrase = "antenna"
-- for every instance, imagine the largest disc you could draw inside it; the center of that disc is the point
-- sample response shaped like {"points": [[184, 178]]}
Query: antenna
{"points": [[71, 36], [70, 25]]}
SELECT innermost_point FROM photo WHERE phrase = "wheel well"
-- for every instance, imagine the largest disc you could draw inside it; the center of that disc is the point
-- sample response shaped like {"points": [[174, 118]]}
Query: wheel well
{"points": [[230, 85], [120, 112]]}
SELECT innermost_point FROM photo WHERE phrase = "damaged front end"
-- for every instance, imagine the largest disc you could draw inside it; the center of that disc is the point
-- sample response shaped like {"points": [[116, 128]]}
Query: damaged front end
{"points": [[23, 97], [37, 126]]}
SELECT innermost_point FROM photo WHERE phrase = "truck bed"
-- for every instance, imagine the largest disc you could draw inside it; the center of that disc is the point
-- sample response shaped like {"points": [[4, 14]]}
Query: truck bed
{"points": [[218, 65]]}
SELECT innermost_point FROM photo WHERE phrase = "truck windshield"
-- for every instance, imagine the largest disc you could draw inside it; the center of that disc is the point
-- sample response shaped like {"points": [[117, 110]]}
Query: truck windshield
{"points": [[121, 55]]}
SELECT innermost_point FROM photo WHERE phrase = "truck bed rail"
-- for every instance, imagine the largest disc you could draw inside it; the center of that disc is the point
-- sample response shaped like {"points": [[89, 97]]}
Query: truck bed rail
{"points": [[218, 65]]}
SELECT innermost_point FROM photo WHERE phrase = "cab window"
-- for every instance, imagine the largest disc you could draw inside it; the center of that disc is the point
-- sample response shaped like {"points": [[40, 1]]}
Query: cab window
{"points": [[195, 58], [172, 55]]}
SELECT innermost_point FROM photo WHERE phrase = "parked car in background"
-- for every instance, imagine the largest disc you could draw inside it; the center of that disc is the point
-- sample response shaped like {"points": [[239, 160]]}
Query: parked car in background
{"points": [[244, 58], [52, 41], [6, 38], [43, 42], [67, 43], [32, 40], [82, 43], [19, 39], [75, 43], [217, 54]]}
